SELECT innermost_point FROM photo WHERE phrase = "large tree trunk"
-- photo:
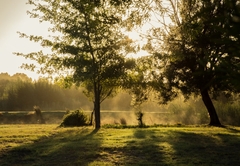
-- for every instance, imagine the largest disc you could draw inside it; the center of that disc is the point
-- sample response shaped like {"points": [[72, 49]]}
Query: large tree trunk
{"points": [[97, 108], [214, 121]]}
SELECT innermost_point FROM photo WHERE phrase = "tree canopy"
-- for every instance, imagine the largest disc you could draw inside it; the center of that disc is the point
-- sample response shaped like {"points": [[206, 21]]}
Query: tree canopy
{"points": [[194, 47], [200, 48], [89, 45]]}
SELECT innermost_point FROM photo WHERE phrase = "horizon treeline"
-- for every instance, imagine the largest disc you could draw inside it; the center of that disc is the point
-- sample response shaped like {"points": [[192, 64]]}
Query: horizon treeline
{"points": [[19, 93]]}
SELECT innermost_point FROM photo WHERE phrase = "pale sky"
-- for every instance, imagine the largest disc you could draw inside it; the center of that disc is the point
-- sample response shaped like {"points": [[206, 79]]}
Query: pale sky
{"points": [[13, 18]]}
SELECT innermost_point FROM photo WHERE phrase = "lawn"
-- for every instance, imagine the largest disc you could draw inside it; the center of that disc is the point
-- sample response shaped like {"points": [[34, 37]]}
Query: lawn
{"points": [[184, 145]]}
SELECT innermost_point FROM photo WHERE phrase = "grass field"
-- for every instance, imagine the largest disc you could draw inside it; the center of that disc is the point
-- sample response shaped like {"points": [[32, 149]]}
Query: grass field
{"points": [[28, 145]]}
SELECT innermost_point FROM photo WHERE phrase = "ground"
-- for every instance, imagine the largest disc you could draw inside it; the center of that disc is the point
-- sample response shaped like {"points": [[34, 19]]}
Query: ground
{"points": [[165, 145]]}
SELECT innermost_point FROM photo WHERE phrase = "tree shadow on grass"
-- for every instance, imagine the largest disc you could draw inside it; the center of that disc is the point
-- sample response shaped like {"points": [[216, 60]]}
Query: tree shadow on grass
{"points": [[150, 146], [153, 147], [69, 147], [232, 129], [217, 149], [144, 148]]}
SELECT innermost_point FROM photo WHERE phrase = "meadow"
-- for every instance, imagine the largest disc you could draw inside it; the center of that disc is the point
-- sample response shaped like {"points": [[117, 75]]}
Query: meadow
{"points": [[48, 144]]}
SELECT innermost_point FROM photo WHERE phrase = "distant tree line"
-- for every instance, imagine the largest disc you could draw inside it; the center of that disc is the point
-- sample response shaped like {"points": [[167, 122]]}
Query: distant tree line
{"points": [[19, 92]]}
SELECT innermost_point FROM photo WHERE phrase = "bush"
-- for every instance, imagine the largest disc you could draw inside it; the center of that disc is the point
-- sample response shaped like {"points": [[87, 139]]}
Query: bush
{"points": [[139, 115], [123, 121], [76, 118]]}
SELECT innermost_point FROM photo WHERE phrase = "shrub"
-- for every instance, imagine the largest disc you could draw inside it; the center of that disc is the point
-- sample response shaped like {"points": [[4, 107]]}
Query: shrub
{"points": [[123, 121], [139, 115], [76, 118]]}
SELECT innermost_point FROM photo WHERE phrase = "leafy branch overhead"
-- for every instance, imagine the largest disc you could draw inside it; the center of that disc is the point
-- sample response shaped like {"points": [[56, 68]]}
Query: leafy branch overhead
{"points": [[201, 46], [197, 45]]}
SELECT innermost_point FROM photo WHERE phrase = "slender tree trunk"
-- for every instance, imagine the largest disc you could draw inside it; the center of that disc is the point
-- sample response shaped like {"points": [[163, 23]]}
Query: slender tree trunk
{"points": [[91, 117], [214, 121], [97, 107]]}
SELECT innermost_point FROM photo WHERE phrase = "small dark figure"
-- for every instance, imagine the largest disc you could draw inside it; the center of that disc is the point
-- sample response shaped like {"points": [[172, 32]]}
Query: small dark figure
{"points": [[39, 115], [139, 115]]}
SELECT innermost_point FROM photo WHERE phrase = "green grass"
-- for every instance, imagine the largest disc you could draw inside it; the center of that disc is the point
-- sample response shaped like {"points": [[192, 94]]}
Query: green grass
{"points": [[185, 145]]}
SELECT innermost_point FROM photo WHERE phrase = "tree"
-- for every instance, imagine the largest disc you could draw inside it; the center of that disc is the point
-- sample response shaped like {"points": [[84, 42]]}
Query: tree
{"points": [[48, 95], [15, 91], [89, 45], [200, 49], [138, 81], [4, 80]]}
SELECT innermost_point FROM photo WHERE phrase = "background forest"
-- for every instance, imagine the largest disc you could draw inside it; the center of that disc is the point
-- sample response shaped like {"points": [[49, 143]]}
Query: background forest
{"points": [[19, 93]]}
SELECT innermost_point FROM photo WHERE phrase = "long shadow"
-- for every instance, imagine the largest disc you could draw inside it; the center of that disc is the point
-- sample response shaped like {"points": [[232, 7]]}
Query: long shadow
{"points": [[232, 129], [177, 147], [218, 149], [68, 147], [151, 146], [144, 148]]}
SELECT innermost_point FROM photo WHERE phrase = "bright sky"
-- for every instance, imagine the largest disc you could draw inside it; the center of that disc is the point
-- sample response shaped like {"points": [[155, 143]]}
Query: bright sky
{"points": [[13, 18]]}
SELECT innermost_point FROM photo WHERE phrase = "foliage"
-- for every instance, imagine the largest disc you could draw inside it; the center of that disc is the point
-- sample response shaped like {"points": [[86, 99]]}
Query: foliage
{"points": [[123, 121], [75, 118], [138, 80], [229, 112], [198, 49], [22, 94], [89, 49], [139, 115]]}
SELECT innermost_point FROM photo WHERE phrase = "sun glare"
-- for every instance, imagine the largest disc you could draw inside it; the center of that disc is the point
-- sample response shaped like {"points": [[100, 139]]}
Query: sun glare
{"points": [[137, 37]]}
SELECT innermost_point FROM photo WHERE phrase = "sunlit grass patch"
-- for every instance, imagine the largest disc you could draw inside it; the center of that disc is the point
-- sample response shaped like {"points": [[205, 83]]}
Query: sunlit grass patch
{"points": [[172, 145], [15, 135]]}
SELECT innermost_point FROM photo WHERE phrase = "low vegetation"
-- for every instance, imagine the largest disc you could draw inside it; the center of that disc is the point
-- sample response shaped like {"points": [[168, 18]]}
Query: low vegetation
{"points": [[139, 115], [75, 118], [172, 145]]}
